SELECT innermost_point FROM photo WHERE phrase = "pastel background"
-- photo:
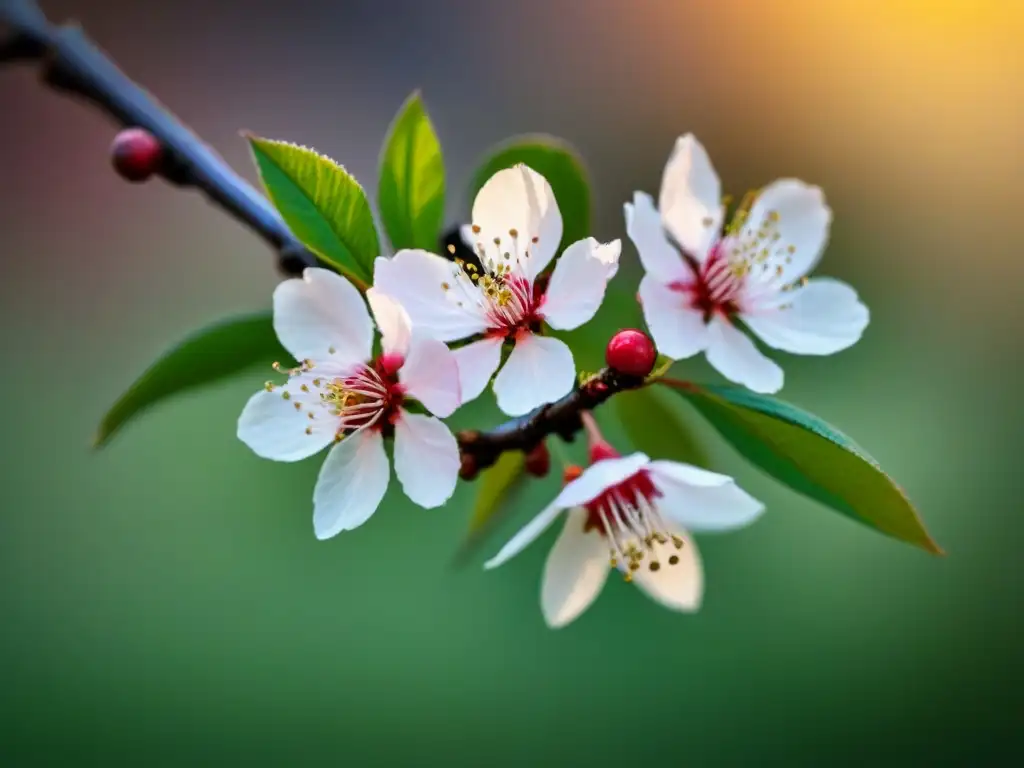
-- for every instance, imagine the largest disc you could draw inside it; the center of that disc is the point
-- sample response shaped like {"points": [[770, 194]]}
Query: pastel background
{"points": [[164, 601]]}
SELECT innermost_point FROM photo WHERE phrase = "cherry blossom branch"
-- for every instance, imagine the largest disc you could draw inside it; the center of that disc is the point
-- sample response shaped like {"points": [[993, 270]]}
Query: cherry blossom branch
{"points": [[72, 64], [562, 418]]}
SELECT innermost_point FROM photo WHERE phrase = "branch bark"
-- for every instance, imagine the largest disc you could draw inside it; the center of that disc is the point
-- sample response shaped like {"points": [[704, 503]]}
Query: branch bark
{"points": [[562, 418], [72, 64]]}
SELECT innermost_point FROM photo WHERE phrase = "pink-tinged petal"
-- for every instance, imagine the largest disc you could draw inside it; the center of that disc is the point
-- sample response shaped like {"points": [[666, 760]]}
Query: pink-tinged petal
{"points": [[658, 256], [526, 536], [519, 200], [426, 459], [392, 321], [575, 572], [539, 370], [738, 359], [702, 507], [273, 428], [417, 280], [431, 375], [678, 587], [691, 197], [578, 283], [791, 220], [319, 312], [351, 484], [598, 478], [477, 363], [821, 318], [679, 331]]}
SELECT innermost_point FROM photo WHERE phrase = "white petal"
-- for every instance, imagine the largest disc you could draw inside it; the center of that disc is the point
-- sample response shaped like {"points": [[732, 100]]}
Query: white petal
{"points": [[477, 362], [426, 459], [822, 317], [738, 359], [431, 375], [691, 197], [678, 330], [678, 587], [803, 221], [351, 484], [392, 321], [702, 507], [525, 537], [688, 474], [518, 199], [659, 257], [320, 311], [576, 570], [417, 279], [539, 370], [274, 429], [577, 285], [599, 477]]}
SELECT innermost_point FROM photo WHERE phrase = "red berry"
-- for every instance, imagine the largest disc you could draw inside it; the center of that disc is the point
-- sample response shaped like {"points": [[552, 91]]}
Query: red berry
{"points": [[631, 352], [136, 154], [538, 461]]}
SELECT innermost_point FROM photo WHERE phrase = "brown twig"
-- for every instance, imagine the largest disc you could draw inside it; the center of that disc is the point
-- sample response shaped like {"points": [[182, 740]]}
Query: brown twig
{"points": [[562, 418], [72, 64]]}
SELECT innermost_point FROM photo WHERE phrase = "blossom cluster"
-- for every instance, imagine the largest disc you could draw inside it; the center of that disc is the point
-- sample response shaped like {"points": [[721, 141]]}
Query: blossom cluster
{"points": [[434, 331]]}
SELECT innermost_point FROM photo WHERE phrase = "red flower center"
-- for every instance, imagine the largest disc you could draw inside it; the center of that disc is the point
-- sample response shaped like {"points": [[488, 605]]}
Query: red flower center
{"points": [[370, 397], [716, 286]]}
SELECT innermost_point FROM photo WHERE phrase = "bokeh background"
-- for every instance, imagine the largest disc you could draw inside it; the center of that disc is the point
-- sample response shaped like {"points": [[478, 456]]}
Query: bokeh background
{"points": [[165, 602]]}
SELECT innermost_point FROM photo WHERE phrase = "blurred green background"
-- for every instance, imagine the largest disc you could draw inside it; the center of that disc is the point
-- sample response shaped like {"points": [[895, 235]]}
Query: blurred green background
{"points": [[164, 601]]}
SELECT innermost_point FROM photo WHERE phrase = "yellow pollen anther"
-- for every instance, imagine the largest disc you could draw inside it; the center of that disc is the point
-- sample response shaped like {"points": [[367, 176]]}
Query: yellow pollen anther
{"points": [[678, 542], [330, 351], [316, 382], [655, 565], [791, 249], [298, 406], [451, 249], [628, 577], [310, 414], [534, 239], [269, 386], [304, 388], [285, 394], [673, 560], [476, 229], [514, 232], [497, 241], [445, 286]]}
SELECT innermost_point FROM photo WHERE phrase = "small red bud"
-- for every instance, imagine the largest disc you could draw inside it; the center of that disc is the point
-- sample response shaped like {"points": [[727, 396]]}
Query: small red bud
{"points": [[136, 154], [468, 468], [631, 352], [600, 450], [538, 460], [571, 473]]}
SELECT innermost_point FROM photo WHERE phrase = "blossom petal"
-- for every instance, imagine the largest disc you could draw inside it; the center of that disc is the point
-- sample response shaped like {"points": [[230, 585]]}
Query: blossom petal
{"points": [[822, 317], [738, 359], [678, 472], [431, 375], [679, 586], [392, 321], [678, 330], [477, 362], [723, 506], [658, 256], [599, 477], [575, 572], [797, 213], [519, 200], [417, 280], [578, 283], [322, 311], [539, 370], [526, 536], [351, 484], [691, 197], [273, 428], [426, 459]]}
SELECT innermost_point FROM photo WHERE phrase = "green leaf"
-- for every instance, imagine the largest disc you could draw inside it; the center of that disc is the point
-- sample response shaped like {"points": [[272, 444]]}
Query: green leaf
{"points": [[322, 204], [208, 355], [811, 457], [410, 194], [494, 485], [655, 426], [561, 165]]}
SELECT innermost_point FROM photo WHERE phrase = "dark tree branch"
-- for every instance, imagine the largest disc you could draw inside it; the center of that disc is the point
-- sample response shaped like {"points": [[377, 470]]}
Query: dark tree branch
{"points": [[562, 418], [72, 64]]}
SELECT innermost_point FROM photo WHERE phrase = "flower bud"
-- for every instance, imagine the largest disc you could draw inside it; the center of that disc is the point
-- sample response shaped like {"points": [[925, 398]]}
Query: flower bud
{"points": [[538, 460], [136, 154], [631, 352]]}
